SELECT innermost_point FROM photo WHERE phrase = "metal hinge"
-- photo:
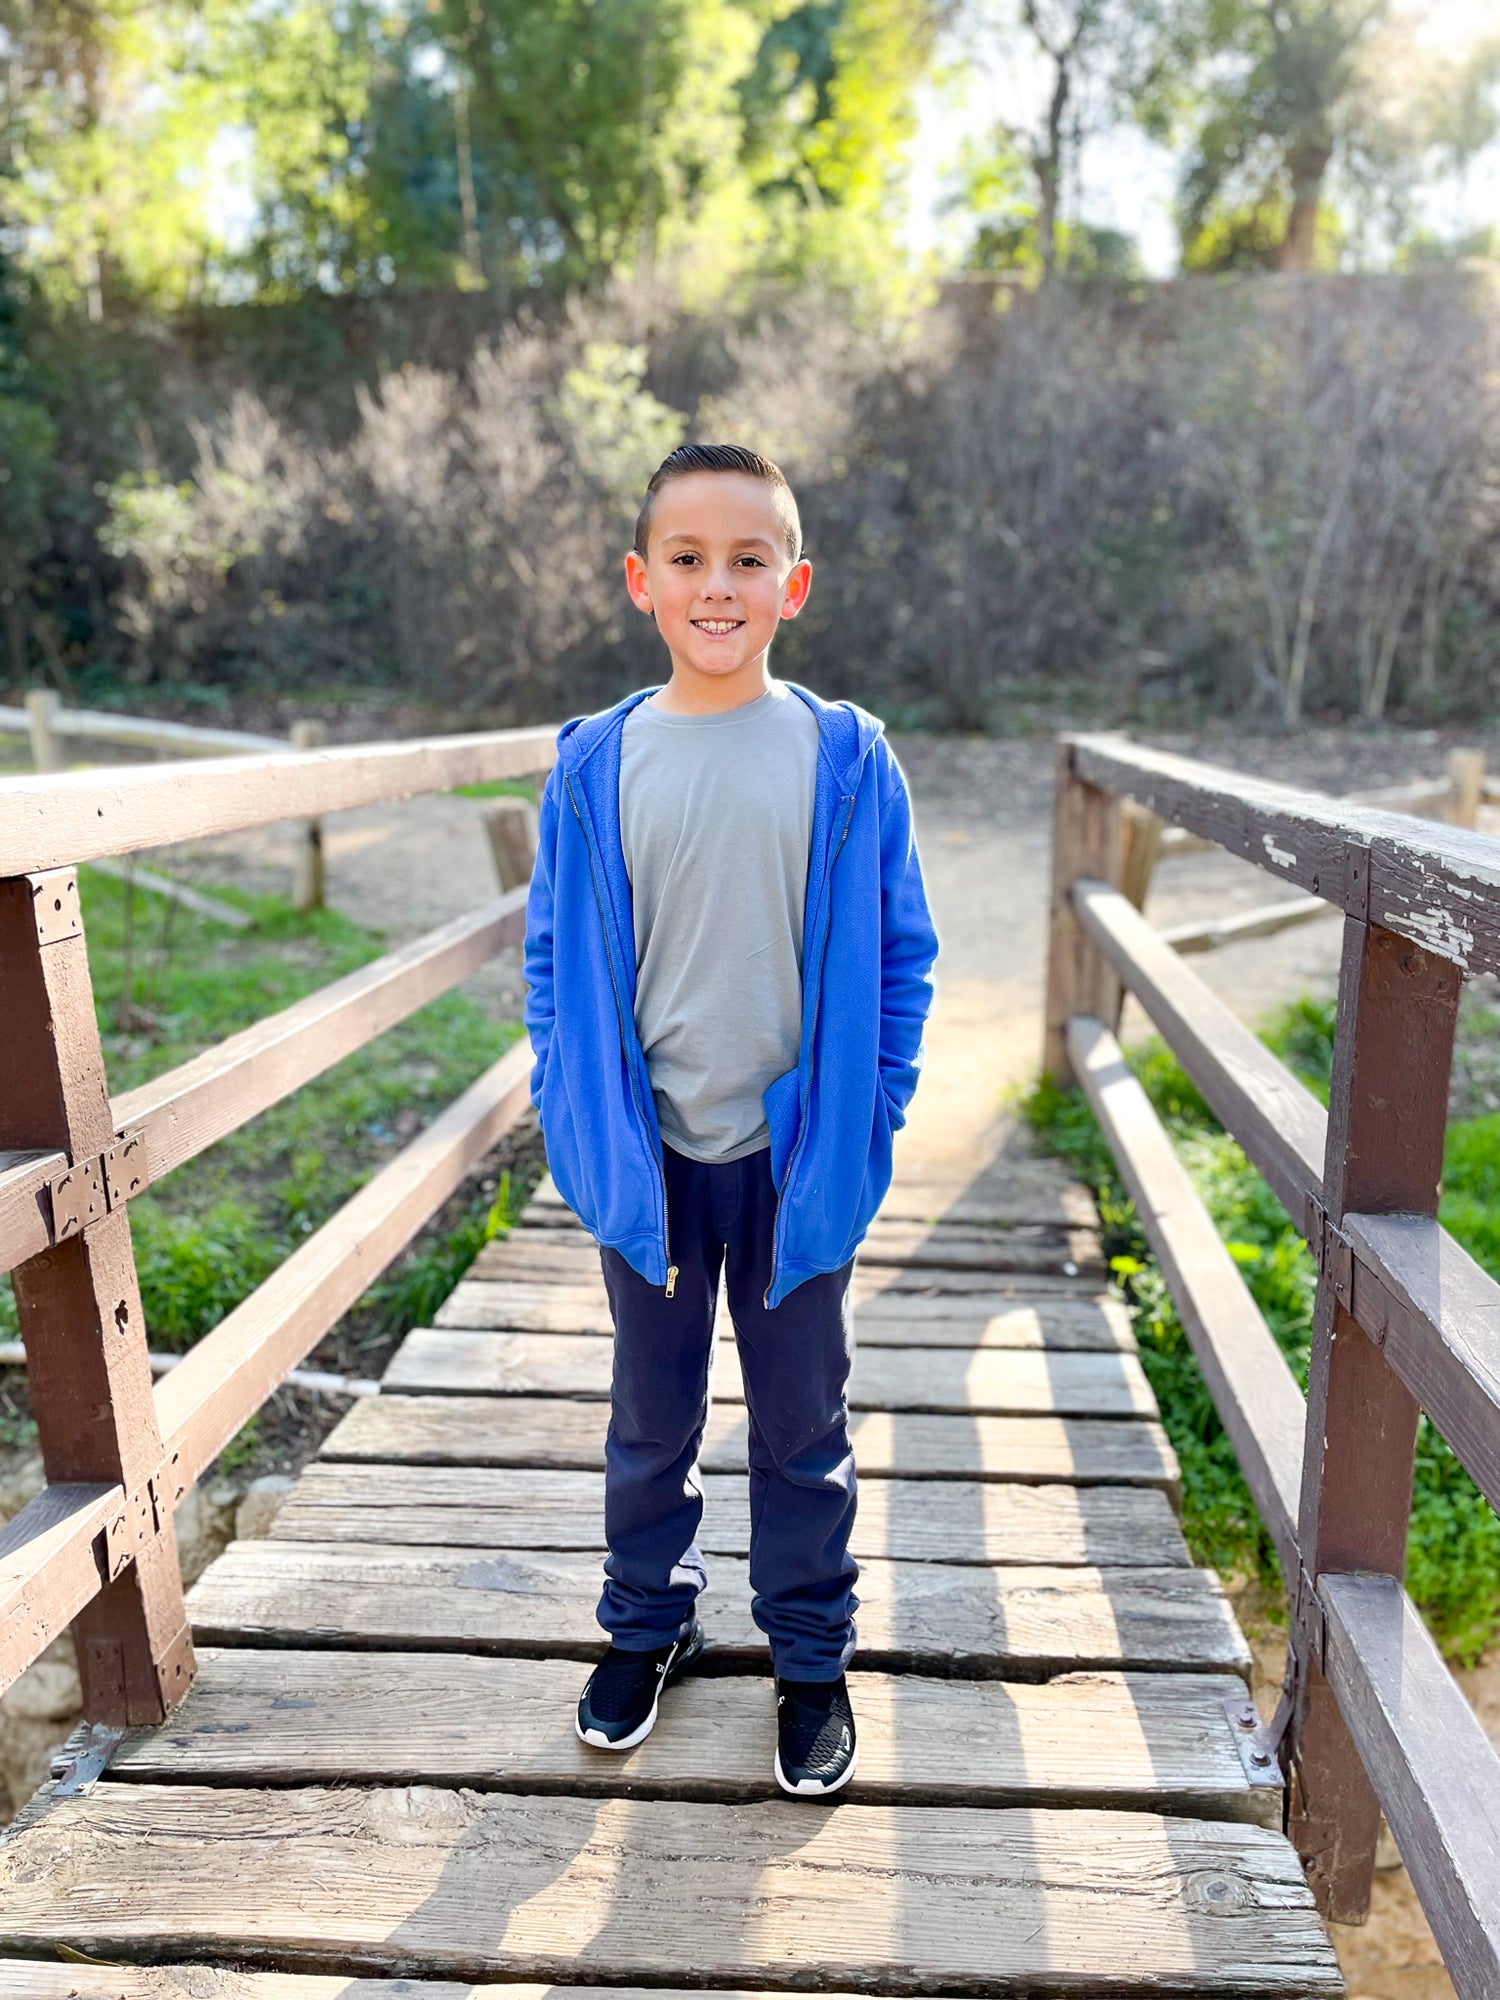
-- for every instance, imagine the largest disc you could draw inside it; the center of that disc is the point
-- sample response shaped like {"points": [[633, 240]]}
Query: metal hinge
{"points": [[94, 1188], [84, 1759], [1258, 1743]]}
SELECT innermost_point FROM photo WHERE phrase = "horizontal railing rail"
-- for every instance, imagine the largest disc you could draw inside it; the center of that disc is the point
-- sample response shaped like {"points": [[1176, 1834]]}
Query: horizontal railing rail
{"points": [[96, 1547], [1405, 1320], [57, 822]]}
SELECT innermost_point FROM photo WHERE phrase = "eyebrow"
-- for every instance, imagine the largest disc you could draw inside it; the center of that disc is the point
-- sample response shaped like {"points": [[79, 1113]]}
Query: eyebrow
{"points": [[740, 541]]}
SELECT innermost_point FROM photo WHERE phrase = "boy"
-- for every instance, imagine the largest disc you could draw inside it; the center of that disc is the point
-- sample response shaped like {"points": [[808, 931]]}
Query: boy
{"points": [[727, 954]]}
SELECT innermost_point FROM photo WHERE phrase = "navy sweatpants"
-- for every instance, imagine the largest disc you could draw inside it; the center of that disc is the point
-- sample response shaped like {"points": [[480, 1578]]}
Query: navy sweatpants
{"points": [[795, 1362]]}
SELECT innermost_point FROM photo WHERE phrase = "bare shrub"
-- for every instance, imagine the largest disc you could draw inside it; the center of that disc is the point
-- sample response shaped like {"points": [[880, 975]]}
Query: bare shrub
{"points": [[1275, 493]]}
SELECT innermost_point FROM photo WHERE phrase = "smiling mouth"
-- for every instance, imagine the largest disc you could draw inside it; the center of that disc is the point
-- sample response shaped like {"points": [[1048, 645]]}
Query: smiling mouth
{"points": [[717, 628]]}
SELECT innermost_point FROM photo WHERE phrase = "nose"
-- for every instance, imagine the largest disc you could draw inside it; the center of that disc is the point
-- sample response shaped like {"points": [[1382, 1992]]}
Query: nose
{"points": [[719, 585]]}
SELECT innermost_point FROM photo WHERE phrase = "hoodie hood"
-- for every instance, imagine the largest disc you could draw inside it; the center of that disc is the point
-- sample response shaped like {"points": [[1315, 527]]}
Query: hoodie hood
{"points": [[846, 733]]}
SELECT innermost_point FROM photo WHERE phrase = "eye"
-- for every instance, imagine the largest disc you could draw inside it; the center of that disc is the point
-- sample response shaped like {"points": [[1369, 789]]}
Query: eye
{"points": [[687, 556], [753, 562]]}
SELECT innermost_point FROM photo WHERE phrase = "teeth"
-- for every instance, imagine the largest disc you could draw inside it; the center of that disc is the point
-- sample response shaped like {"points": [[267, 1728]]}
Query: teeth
{"points": [[717, 626]]}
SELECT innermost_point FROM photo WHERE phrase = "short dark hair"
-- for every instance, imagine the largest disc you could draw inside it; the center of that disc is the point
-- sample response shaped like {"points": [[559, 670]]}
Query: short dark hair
{"points": [[722, 458]]}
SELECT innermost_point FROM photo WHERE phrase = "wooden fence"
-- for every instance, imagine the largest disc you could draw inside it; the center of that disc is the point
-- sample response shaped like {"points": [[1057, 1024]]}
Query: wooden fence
{"points": [[48, 726], [1456, 797], [96, 1547], [1405, 1321]]}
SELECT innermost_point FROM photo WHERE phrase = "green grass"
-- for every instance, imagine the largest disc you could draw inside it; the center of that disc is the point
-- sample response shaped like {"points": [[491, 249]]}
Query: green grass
{"points": [[167, 984], [1453, 1562], [498, 788]]}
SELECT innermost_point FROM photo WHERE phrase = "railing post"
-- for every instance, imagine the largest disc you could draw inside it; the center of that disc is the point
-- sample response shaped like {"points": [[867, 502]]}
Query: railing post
{"points": [[80, 1308], [309, 880], [1141, 844], [1397, 1011], [46, 745], [1466, 769], [1086, 838], [511, 826]]}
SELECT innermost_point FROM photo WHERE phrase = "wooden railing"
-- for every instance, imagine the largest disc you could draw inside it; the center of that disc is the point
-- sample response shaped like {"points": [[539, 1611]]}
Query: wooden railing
{"points": [[1405, 1321], [48, 726], [96, 1547], [1456, 797]]}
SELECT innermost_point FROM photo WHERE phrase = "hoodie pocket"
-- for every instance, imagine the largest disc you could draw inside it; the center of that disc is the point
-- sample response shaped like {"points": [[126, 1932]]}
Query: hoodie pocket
{"points": [[780, 1101]]}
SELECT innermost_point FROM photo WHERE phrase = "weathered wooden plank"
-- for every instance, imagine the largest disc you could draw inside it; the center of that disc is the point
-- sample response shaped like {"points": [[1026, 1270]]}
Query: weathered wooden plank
{"points": [[982, 1624], [898, 1899], [568, 1256], [1007, 1191], [1215, 932], [938, 1246], [958, 1246], [33, 1979], [439, 1360], [485, 1304], [55, 821], [539, 1430], [924, 1520], [1434, 1313], [1435, 1771], [1142, 1742], [1254, 1390], [228, 1375], [1438, 886], [575, 1268], [1277, 1120], [524, 1306]]}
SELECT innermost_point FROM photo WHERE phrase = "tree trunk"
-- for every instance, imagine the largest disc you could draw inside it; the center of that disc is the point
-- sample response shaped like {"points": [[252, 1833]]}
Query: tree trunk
{"points": [[1048, 166], [1308, 165]]}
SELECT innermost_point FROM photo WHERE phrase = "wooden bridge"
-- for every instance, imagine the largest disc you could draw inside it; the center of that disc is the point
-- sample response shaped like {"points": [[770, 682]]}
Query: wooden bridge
{"points": [[371, 1787]]}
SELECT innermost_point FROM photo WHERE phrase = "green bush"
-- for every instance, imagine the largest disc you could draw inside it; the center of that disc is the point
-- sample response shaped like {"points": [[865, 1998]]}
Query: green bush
{"points": [[1453, 1561]]}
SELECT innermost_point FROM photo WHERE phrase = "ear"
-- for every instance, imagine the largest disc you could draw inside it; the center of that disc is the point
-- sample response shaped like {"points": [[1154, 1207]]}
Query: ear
{"points": [[636, 584], [794, 590]]}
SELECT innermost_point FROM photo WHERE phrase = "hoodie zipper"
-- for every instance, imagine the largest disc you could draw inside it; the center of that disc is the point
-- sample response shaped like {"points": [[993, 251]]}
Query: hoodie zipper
{"points": [[847, 809], [661, 1177]]}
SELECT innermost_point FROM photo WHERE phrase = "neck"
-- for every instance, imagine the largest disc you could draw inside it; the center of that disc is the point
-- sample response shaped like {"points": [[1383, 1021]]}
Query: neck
{"points": [[690, 692]]}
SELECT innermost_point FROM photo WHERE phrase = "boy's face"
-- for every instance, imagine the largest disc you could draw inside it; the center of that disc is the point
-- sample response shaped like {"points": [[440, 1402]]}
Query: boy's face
{"points": [[717, 576]]}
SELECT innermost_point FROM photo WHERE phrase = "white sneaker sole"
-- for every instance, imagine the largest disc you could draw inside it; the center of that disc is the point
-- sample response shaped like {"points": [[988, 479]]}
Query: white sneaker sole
{"points": [[809, 1788], [597, 1740]]}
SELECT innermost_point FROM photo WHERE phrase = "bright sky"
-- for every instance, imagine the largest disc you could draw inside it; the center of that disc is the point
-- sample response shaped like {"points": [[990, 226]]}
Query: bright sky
{"points": [[1125, 182]]}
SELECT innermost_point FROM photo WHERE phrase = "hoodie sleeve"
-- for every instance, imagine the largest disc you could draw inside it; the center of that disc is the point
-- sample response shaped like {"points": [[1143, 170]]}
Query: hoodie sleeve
{"points": [[908, 942], [540, 1007]]}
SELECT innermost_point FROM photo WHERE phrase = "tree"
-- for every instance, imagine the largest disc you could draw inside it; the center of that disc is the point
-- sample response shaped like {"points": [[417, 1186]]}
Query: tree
{"points": [[1017, 185], [1273, 98]]}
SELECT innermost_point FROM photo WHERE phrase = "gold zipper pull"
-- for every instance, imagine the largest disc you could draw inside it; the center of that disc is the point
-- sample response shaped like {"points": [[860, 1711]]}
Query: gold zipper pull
{"points": [[671, 1279]]}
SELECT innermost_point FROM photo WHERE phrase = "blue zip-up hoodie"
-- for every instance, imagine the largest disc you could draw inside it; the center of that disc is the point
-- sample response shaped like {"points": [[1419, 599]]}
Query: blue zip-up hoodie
{"points": [[868, 948]]}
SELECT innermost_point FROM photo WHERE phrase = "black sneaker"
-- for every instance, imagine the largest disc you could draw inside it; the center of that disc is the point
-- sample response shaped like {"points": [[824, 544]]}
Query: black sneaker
{"points": [[815, 1748], [617, 1708]]}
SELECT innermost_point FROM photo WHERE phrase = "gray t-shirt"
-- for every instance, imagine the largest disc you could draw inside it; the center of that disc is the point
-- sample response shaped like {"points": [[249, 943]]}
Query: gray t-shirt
{"points": [[716, 819]]}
